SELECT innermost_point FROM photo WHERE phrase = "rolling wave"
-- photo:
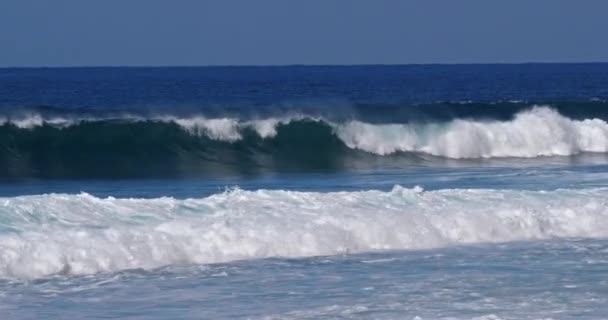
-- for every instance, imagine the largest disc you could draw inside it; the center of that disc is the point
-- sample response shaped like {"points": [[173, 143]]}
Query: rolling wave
{"points": [[41, 146], [82, 234], [540, 131]]}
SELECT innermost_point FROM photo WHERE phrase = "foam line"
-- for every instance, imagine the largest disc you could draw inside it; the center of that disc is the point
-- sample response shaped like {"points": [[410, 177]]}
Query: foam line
{"points": [[81, 234]]}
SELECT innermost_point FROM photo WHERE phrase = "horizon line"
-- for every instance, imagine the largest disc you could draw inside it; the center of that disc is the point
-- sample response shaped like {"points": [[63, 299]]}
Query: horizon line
{"points": [[297, 65]]}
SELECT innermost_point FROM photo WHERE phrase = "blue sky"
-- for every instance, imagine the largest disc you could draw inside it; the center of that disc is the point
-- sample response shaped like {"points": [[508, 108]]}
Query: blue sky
{"points": [[271, 32]]}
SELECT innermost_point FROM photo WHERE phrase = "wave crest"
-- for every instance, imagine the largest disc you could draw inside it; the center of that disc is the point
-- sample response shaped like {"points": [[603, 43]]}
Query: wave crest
{"points": [[36, 146], [540, 131]]}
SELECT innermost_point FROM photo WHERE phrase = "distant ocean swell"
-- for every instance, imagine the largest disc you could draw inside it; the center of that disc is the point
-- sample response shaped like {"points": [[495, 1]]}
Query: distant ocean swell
{"points": [[81, 234], [37, 145]]}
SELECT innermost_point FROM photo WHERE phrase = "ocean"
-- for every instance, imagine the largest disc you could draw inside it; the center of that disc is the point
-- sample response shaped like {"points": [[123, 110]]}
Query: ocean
{"points": [[305, 192]]}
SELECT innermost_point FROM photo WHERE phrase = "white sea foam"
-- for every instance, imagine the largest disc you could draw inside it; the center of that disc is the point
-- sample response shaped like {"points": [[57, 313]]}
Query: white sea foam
{"points": [[540, 131], [229, 129], [31, 121], [82, 234], [223, 129], [267, 128]]}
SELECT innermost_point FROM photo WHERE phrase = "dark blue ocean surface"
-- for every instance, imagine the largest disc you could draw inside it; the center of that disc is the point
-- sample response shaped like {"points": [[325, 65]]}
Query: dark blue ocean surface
{"points": [[237, 89], [303, 192]]}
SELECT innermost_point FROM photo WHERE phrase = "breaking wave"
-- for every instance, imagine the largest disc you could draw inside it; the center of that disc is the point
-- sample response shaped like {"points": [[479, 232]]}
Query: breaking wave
{"points": [[540, 131], [40, 146], [82, 234]]}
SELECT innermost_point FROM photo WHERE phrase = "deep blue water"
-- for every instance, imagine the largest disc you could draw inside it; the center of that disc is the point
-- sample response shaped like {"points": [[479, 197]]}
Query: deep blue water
{"points": [[228, 88], [303, 192]]}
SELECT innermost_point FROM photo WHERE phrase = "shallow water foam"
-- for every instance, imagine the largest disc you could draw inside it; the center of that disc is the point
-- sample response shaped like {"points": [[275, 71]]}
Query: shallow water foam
{"points": [[83, 234]]}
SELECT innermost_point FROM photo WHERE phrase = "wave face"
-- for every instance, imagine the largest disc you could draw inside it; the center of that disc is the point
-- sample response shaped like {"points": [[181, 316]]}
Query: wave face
{"points": [[35, 145], [81, 234]]}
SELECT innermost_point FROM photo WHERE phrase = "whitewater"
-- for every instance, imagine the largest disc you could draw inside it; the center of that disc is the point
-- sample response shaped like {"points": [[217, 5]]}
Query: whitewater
{"points": [[82, 234]]}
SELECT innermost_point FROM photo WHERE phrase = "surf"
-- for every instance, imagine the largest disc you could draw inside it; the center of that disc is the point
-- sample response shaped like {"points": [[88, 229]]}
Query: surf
{"points": [[45, 146], [82, 234]]}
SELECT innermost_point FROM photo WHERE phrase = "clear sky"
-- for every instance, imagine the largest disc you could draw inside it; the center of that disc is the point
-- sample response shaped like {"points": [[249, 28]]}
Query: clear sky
{"points": [[270, 32]]}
